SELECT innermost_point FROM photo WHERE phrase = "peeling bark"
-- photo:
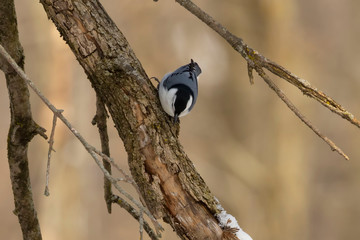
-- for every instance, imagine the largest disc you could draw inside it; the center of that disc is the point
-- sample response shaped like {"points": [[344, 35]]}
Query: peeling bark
{"points": [[168, 181]]}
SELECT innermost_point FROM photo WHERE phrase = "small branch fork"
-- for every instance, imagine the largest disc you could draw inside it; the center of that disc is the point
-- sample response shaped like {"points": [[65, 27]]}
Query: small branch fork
{"points": [[292, 107], [95, 155], [51, 149], [257, 62]]}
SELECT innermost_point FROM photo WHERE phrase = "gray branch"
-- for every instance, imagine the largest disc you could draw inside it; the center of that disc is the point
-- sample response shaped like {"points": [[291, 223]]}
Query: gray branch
{"points": [[91, 150], [258, 62]]}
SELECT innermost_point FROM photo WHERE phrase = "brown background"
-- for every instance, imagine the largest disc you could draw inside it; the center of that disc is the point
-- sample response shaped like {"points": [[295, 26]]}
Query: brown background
{"points": [[272, 173]]}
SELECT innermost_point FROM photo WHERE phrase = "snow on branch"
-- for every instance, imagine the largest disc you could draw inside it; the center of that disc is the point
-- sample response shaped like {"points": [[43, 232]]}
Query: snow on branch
{"points": [[231, 228]]}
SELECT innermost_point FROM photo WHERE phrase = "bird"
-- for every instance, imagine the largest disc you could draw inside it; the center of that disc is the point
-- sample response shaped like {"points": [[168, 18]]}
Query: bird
{"points": [[178, 90]]}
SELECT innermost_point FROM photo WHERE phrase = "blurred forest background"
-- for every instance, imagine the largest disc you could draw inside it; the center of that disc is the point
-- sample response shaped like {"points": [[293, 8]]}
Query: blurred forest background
{"points": [[265, 166]]}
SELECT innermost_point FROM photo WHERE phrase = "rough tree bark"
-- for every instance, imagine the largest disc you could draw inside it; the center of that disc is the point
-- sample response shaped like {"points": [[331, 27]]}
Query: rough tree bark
{"points": [[22, 127], [168, 181]]}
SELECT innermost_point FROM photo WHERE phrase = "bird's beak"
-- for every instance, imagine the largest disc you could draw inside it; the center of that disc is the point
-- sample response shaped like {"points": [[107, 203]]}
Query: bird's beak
{"points": [[176, 118]]}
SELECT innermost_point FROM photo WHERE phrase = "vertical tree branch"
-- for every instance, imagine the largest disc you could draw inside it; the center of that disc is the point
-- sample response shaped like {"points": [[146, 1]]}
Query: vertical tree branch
{"points": [[22, 127], [51, 149], [100, 121]]}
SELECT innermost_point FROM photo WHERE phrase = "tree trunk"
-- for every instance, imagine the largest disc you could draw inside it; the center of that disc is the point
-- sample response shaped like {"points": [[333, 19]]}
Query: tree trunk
{"points": [[168, 181]]}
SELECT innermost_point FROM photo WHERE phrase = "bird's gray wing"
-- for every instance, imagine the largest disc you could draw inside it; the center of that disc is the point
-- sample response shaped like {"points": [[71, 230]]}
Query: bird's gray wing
{"points": [[184, 75]]}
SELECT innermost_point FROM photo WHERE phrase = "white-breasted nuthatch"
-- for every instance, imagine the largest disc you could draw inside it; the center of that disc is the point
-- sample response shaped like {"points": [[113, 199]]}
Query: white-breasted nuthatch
{"points": [[178, 90]]}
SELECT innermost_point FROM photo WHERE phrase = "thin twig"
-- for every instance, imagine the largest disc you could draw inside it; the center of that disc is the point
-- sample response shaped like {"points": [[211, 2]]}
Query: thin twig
{"points": [[292, 107], [113, 180], [141, 224], [256, 61], [91, 150], [127, 178], [118, 200], [51, 149]]}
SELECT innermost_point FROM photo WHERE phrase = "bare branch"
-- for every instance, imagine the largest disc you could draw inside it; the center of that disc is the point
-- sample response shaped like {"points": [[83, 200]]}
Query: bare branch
{"points": [[305, 87], [22, 126], [256, 61], [92, 150], [100, 121], [113, 180], [292, 107], [127, 178], [118, 200], [51, 143]]}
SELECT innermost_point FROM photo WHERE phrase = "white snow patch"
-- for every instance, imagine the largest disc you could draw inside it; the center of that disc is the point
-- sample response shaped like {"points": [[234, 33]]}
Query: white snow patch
{"points": [[227, 220]]}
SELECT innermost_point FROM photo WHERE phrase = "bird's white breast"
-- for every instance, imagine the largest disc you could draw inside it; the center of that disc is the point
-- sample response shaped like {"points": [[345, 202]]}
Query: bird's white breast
{"points": [[167, 99]]}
